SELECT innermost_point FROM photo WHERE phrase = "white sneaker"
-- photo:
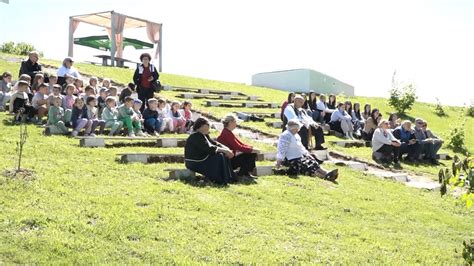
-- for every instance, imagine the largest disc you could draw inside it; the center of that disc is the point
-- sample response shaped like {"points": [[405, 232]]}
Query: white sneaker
{"points": [[92, 135], [131, 135], [74, 133], [140, 134], [156, 134]]}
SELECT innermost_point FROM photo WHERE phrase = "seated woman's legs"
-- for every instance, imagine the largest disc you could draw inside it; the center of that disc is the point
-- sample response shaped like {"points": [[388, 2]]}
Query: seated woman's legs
{"points": [[246, 162], [216, 167]]}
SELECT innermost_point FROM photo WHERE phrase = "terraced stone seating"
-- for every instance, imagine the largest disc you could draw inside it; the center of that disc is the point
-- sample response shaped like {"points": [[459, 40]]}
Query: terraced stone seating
{"points": [[99, 141], [352, 143], [216, 103], [204, 91], [151, 158], [276, 124], [179, 173], [245, 115], [217, 96]]}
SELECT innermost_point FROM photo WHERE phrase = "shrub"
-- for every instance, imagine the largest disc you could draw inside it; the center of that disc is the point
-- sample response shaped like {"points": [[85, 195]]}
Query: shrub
{"points": [[439, 109], [403, 97], [456, 136], [21, 48], [470, 110]]}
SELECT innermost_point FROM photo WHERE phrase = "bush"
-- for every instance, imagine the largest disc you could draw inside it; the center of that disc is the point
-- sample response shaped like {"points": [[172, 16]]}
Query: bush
{"points": [[456, 137], [21, 48], [439, 111], [402, 98], [470, 110]]}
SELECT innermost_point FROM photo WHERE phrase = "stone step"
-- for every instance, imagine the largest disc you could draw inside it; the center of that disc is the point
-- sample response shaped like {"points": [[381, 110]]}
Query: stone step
{"points": [[170, 142], [351, 143], [267, 156], [276, 124], [211, 96], [99, 141], [150, 158], [186, 173]]}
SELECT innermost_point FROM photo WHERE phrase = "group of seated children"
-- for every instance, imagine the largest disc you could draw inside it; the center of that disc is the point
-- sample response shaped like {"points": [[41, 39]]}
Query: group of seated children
{"points": [[390, 138], [91, 109]]}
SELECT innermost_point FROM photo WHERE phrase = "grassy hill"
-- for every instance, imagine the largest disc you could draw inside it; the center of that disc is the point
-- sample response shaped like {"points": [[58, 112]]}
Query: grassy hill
{"points": [[83, 206]]}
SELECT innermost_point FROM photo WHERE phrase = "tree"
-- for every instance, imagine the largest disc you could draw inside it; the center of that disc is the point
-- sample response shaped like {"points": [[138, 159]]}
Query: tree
{"points": [[402, 96]]}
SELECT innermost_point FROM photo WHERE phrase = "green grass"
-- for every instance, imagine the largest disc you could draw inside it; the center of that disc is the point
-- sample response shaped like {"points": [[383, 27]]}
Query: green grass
{"points": [[86, 207]]}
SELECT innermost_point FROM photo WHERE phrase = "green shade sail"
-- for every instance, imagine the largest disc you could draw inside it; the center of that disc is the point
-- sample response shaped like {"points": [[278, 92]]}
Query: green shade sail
{"points": [[103, 42]]}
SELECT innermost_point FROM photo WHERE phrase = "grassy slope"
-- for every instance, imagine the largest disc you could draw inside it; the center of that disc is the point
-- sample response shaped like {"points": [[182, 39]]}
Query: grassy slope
{"points": [[84, 206], [440, 126]]}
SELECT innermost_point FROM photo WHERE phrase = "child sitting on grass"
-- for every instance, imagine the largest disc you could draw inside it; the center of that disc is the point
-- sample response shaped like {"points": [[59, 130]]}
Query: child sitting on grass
{"points": [[106, 83], [93, 81], [179, 121], [93, 116], [68, 103], [69, 80], [55, 93], [110, 116], [126, 116], [101, 104], [20, 103], [5, 89], [188, 115], [53, 80], [127, 91], [79, 86], [40, 101], [88, 91], [138, 117], [113, 93], [164, 115], [55, 122], [151, 117], [38, 80], [79, 118]]}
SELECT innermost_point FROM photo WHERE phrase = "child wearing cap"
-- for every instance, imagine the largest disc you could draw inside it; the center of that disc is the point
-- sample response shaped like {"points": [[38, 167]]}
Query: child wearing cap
{"points": [[138, 117], [152, 120], [179, 121], [93, 116], [79, 118], [110, 116], [55, 124], [126, 116]]}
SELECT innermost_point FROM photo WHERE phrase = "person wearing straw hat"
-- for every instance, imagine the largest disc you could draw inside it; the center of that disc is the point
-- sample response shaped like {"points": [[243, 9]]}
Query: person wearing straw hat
{"points": [[293, 154], [245, 155]]}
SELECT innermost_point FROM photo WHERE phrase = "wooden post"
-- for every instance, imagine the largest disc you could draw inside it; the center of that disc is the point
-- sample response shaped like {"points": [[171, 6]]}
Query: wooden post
{"points": [[112, 38], [160, 47], [71, 38]]}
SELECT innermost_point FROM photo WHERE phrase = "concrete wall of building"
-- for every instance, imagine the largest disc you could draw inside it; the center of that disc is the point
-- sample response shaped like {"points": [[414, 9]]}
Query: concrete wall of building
{"points": [[302, 80]]}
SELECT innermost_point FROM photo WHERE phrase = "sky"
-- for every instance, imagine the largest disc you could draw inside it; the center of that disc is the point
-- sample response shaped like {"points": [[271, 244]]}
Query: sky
{"points": [[428, 43]]}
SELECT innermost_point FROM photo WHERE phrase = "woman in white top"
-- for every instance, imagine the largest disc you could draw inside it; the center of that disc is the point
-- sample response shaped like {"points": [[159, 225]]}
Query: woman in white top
{"points": [[385, 144], [67, 69], [293, 154], [341, 121]]}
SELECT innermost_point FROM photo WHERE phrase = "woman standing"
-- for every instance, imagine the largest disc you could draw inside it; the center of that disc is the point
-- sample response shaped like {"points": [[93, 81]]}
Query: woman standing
{"points": [[245, 160], [206, 156], [144, 77], [293, 154]]}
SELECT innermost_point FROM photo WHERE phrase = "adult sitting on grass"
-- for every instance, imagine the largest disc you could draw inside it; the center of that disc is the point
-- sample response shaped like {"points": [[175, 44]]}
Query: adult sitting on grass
{"points": [[66, 70], [322, 110], [244, 155], [341, 122], [430, 143], [208, 157], [289, 100], [295, 111], [144, 77], [293, 154], [31, 67], [385, 147], [410, 145]]}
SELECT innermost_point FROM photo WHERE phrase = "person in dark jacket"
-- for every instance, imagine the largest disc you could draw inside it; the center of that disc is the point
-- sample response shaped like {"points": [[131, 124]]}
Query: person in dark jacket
{"points": [[127, 91], [31, 67], [409, 144], [208, 157], [145, 75]]}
